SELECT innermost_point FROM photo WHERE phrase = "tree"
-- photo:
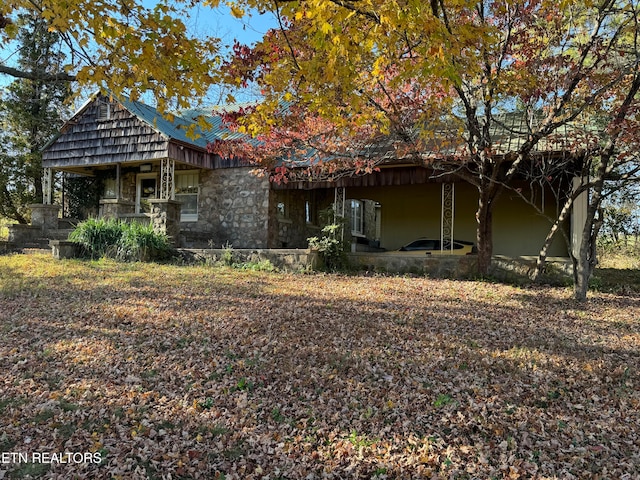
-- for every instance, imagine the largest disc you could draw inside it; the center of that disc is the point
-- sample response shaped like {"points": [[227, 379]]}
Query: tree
{"points": [[30, 114], [436, 77], [620, 222], [121, 46]]}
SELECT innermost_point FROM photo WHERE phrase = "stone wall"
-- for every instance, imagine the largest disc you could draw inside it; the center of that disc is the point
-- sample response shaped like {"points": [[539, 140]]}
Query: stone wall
{"points": [[459, 266], [441, 266], [283, 259], [233, 207], [292, 230], [165, 218]]}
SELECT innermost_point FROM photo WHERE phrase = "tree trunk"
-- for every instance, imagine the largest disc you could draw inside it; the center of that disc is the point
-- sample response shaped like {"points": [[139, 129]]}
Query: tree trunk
{"points": [[484, 217], [581, 275], [586, 264], [555, 228]]}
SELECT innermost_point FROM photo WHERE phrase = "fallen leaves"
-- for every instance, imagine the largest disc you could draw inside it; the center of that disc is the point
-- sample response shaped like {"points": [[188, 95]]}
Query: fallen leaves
{"points": [[195, 372]]}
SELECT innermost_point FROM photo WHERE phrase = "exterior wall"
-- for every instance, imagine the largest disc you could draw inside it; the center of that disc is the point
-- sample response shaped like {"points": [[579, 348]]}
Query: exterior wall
{"points": [[519, 230], [370, 239], [292, 230], [233, 207], [413, 211]]}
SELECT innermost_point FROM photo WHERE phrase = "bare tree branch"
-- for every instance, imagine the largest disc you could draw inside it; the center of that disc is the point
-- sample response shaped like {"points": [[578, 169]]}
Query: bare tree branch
{"points": [[52, 77]]}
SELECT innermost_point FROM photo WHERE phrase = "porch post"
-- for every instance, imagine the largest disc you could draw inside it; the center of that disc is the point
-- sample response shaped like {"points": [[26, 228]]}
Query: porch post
{"points": [[117, 181], [339, 207], [47, 181], [167, 181], [447, 214]]}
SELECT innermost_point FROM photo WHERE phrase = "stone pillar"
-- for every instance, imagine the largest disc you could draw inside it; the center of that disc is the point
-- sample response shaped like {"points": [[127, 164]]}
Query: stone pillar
{"points": [[114, 208], [165, 218], [45, 216]]}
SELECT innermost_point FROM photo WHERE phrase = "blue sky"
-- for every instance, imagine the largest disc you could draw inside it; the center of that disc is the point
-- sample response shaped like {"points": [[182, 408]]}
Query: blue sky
{"points": [[203, 21], [220, 23]]}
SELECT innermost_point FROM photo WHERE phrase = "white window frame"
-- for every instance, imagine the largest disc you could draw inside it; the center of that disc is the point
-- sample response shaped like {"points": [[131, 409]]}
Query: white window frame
{"points": [[357, 217], [188, 217]]}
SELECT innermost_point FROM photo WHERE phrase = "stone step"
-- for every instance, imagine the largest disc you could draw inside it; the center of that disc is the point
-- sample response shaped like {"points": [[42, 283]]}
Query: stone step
{"points": [[67, 223], [61, 234], [37, 243], [36, 251]]}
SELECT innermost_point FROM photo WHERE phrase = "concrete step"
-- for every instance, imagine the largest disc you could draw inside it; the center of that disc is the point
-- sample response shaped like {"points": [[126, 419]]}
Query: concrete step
{"points": [[67, 223], [36, 251], [41, 243], [61, 234]]}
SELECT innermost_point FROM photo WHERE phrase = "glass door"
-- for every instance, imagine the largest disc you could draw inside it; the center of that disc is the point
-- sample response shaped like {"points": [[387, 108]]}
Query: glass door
{"points": [[147, 188]]}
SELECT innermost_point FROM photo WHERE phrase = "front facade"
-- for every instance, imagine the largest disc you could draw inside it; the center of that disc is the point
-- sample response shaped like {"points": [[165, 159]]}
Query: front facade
{"points": [[149, 169]]}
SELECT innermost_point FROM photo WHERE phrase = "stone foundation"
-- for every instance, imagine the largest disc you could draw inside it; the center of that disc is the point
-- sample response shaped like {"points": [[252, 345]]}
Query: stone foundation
{"points": [[458, 266], [440, 266]]}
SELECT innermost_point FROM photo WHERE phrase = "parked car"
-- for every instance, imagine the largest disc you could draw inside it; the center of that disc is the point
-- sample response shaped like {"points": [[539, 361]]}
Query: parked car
{"points": [[429, 246]]}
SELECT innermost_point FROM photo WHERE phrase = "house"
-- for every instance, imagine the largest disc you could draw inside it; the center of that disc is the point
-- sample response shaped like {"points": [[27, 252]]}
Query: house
{"points": [[150, 169]]}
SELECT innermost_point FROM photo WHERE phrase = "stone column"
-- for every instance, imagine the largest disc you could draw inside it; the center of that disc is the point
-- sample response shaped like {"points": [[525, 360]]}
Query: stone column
{"points": [[165, 218], [45, 216]]}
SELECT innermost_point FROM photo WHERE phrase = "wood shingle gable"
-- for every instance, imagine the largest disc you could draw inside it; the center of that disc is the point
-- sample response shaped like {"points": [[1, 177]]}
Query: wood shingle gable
{"points": [[107, 131], [88, 140]]}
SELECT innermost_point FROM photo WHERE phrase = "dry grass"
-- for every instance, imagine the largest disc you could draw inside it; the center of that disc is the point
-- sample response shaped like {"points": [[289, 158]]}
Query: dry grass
{"points": [[195, 372], [4, 230]]}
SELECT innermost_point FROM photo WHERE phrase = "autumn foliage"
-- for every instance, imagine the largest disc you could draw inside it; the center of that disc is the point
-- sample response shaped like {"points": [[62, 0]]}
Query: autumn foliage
{"points": [[199, 372], [430, 83]]}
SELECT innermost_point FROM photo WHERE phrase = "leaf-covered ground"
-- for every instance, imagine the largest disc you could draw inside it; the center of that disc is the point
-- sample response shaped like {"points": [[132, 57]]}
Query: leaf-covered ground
{"points": [[195, 372]]}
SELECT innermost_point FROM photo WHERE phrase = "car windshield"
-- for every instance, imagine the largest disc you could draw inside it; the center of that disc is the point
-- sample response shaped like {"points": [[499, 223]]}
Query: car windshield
{"points": [[423, 244], [428, 244]]}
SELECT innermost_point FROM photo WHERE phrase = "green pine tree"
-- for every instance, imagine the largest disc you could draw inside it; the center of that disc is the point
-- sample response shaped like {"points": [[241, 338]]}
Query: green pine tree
{"points": [[31, 112]]}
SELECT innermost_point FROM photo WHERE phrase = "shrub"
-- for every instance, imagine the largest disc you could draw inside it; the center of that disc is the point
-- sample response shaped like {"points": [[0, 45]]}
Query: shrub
{"points": [[98, 237], [331, 247], [123, 241], [141, 243]]}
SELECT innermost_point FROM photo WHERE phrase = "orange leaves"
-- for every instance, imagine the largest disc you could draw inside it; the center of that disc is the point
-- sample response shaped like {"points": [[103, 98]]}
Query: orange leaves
{"points": [[207, 373]]}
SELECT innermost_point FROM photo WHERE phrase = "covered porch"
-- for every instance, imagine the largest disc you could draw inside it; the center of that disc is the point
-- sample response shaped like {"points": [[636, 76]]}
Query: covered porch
{"points": [[141, 191], [143, 167], [385, 210]]}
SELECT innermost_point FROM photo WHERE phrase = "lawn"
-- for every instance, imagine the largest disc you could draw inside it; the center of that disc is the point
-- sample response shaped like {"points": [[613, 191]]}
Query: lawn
{"points": [[158, 371]]}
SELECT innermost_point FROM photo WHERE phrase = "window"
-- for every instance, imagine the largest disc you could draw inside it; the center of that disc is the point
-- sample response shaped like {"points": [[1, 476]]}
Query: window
{"points": [[311, 209], [357, 217], [281, 207], [283, 211], [146, 190], [308, 212], [187, 194], [110, 190], [104, 112]]}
